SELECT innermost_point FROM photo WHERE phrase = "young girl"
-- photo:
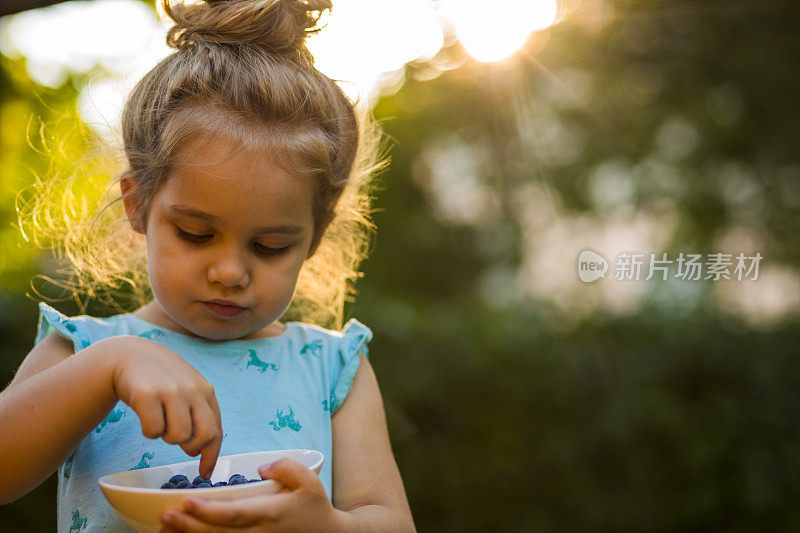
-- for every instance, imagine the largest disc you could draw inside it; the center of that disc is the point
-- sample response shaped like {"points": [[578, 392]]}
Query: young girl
{"points": [[245, 181]]}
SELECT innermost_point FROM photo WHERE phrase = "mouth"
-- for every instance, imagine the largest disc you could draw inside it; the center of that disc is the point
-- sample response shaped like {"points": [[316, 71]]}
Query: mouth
{"points": [[225, 310]]}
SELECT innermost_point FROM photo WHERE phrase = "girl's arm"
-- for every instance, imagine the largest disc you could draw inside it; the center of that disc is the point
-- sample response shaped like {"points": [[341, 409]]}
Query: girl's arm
{"points": [[367, 486], [54, 401], [53, 404]]}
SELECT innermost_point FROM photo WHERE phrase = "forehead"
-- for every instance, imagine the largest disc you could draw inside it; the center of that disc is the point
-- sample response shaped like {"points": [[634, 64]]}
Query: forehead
{"points": [[237, 186]]}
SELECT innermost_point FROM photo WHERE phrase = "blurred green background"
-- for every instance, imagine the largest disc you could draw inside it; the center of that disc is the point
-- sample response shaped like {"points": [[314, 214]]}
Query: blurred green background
{"points": [[519, 398]]}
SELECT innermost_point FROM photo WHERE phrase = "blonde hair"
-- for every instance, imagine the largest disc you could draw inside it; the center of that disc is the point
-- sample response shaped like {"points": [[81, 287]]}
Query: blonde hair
{"points": [[241, 71]]}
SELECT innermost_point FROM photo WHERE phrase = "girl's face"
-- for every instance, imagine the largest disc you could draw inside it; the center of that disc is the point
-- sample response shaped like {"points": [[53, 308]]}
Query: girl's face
{"points": [[230, 226]]}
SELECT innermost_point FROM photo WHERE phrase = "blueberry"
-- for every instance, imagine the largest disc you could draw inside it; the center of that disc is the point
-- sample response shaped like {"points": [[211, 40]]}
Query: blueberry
{"points": [[183, 484], [200, 479], [237, 479], [220, 484], [168, 485], [177, 478], [253, 480], [203, 485]]}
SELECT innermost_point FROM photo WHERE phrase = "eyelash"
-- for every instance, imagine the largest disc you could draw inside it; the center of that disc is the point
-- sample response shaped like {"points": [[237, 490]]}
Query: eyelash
{"points": [[199, 239]]}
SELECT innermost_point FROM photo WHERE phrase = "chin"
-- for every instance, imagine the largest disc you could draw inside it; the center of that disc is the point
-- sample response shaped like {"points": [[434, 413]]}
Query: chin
{"points": [[220, 333], [227, 335]]}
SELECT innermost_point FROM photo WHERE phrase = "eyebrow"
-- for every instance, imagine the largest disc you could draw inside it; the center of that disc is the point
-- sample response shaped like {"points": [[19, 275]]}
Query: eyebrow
{"points": [[289, 229]]}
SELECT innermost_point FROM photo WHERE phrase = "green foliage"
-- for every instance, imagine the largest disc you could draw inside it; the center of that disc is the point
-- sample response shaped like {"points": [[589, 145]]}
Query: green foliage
{"points": [[616, 426]]}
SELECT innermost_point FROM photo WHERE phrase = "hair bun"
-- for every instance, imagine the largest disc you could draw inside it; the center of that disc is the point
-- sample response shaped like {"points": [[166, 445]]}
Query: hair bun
{"points": [[280, 25]]}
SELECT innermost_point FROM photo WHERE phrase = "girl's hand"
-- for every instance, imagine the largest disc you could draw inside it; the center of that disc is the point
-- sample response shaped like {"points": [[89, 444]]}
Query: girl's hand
{"points": [[173, 400], [301, 506]]}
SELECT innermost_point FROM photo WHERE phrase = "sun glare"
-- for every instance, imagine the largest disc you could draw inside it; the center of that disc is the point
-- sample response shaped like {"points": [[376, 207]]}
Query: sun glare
{"points": [[364, 44], [352, 46], [493, 31]]}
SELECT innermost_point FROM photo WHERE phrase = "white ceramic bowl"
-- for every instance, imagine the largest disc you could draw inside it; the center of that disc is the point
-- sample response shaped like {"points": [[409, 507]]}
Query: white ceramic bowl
{"points": [[139, 499]]}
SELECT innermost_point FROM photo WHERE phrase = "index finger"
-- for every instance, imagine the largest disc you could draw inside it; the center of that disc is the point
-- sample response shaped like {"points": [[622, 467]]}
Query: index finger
{"points": [[208, 457], [210, 452]]}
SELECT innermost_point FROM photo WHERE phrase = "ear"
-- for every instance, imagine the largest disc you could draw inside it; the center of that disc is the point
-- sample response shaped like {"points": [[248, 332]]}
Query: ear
{"points": [[132, 201]]}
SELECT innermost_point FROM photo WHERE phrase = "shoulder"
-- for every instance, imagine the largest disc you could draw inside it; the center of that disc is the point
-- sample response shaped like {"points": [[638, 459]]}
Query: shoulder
{"points": [[51, 314], [341, 347], [353, 331], [83, 330], [337, 353]]}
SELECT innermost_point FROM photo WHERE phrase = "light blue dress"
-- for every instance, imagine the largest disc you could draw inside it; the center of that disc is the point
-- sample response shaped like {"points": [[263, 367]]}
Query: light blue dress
{"points": [[274, 393]]}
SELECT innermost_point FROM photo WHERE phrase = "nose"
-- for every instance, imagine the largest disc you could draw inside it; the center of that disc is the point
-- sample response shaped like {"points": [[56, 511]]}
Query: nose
{"points": [[229, 270]]}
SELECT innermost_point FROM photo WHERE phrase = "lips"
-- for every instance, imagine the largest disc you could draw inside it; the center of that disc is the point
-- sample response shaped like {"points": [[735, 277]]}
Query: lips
{"points": [[224, 302], [224, 310]]}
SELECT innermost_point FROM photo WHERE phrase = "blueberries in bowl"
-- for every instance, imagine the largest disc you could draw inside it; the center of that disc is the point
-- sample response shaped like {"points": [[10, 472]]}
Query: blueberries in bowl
{"points": [[237, 479], [199, 479], [179, 481]]}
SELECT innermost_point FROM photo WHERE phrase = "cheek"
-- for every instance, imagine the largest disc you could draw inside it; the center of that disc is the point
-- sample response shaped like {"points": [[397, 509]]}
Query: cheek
{"points": [[277, 275], [166, 264], [279, 279]]}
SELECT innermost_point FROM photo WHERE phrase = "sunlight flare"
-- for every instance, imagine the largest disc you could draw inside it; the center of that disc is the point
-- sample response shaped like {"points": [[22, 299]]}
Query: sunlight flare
{"points": [[495, 31]]}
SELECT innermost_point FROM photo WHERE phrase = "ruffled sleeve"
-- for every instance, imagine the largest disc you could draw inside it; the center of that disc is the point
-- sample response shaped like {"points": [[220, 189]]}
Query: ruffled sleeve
{"points": [[72, 328], [355, 337]]}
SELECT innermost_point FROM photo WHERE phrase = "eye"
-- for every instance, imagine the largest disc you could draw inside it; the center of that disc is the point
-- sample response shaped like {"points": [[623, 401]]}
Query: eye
{"points": [[272, 251], [263, 250], [190, 236]]}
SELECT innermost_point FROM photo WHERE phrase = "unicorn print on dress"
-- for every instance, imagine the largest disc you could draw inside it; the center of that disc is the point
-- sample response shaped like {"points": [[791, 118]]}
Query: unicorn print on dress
{"points": [[72, 329], [327, 405], [68, 465], [78, 523], [285, 421], [143, 463], [313, 347], [151, 333], [113, 416], [262, 366]]}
